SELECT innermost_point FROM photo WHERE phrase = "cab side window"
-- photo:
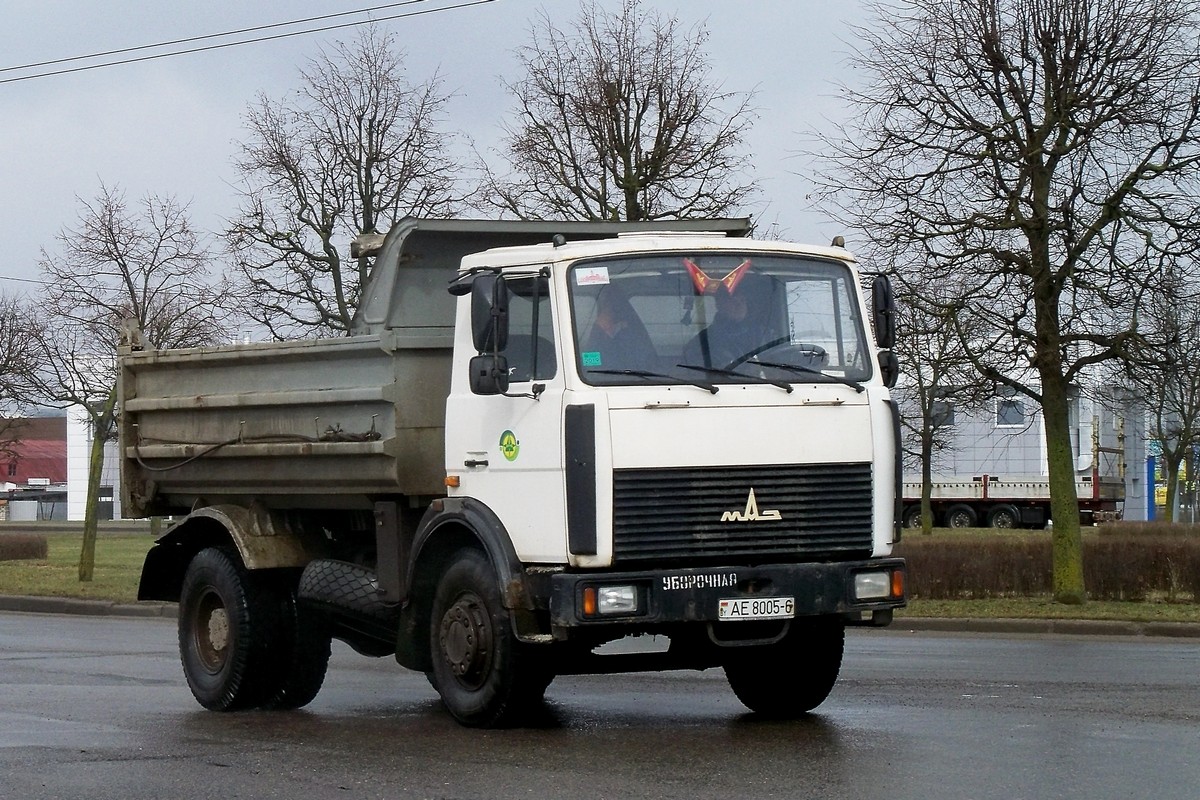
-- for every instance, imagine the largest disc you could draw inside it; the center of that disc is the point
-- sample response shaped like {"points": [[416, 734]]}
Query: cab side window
{"points": [[530, 350]]}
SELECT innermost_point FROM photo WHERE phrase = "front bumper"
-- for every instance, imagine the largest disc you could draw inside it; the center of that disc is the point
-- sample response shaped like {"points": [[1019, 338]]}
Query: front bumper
{"points": [[694, 595]]}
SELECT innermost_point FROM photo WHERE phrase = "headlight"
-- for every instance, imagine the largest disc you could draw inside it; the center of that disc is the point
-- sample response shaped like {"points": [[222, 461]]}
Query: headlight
{"points": [[872, 585], [609, 600]]}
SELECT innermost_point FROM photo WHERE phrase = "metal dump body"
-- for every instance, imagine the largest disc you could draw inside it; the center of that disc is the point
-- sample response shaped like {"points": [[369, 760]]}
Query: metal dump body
{"points": [[322, 423]]}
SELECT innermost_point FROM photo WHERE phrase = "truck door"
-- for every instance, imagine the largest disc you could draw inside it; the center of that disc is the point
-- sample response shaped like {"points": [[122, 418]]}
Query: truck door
{"points": [[507, 449]]}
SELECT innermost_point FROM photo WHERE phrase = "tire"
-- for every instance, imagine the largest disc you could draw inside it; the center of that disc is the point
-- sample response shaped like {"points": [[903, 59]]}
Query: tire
{"points": [[301, 656], [227, 631], [961, 516], [485, 676], [348, 595], [792, 677], [912, 517], [1004, 516]]}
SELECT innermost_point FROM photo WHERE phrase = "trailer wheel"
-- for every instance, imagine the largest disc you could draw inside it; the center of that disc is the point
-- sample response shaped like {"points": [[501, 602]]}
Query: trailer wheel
{"points": [[793, 676], [485, 676], [226, 632], [912, 517], [961, 516], [1004, 516]]}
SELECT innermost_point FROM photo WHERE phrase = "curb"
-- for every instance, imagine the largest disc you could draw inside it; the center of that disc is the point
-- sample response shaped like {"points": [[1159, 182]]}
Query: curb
{"points": [[94, 608], [1075, 627], [1072, 627]]}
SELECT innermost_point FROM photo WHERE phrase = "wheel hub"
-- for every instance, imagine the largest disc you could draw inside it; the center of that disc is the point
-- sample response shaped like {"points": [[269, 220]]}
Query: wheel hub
{"points": [[218, 630], [212, 632], [466, 640]]}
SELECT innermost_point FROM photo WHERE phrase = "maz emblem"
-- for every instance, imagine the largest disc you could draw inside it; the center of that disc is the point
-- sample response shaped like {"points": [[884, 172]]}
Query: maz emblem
{"points": [[752, 513]]}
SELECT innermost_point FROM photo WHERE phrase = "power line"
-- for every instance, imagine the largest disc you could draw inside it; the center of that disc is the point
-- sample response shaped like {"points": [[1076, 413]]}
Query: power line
{"points": [[172, 42], [224, 45], [24, 280], [205, 37]]}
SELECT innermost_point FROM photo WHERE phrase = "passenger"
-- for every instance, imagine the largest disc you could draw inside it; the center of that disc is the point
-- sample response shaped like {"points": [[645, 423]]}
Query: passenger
{"points": [[618, 339]]}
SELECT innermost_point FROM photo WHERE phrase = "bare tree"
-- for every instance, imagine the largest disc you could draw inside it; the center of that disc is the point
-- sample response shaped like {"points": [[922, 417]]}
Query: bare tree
{"points": [[1045, 150], [618, 119], [1167, 379], [17, 362], [148, 266], [939, 381], [356, 149]]}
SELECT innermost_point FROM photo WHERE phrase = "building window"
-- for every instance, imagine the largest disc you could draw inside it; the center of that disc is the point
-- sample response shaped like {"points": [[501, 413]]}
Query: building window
{"points": [[942, 413], [12, 469], [1009, 413]]}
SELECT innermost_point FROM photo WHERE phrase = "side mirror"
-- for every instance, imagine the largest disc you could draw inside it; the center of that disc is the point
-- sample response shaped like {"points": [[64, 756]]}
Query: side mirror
{"points": [[489, 374], [883, 307], [889, 368], [489, 313]]}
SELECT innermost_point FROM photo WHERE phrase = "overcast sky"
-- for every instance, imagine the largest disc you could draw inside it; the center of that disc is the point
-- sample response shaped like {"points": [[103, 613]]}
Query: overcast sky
{"points": [[169, 126]]}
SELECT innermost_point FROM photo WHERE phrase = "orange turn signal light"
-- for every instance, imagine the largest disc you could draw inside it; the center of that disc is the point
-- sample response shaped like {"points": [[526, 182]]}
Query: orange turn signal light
{"points": [[589, 601]]}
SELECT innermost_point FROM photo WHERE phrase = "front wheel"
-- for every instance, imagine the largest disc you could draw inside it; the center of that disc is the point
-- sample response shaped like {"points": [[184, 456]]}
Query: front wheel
{"points": [[485, 676], [793, 676]]}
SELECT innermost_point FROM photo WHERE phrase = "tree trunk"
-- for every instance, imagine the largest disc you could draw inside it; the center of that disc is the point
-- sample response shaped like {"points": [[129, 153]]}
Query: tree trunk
{"points": [[1066, 539], [100, 424], [926, 484], [1174, 459]]}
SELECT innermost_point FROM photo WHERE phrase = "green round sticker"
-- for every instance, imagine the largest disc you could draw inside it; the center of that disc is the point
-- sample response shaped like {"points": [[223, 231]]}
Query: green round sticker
{"points": [[509, 445]]}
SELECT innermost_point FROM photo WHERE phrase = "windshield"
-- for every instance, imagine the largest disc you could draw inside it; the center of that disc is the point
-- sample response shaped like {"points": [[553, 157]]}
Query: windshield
{"points": [[716, 317]]}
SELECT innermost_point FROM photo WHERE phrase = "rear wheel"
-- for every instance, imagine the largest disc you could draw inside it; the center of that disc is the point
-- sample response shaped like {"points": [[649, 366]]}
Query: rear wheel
{"points": [[485, 676], [301, 653], [225, 631], [243, 639], [793, 676]]}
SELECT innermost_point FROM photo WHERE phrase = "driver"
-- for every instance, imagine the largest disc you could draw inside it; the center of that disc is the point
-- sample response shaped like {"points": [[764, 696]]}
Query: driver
{"points": [[734, 333]]}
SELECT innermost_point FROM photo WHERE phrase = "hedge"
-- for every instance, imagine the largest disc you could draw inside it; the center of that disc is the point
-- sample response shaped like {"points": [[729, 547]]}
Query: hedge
{"points": [[1125, 563]]}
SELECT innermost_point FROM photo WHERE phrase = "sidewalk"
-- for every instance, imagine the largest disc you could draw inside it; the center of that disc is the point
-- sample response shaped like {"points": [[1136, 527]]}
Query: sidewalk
{"points": [[1078, 627]]}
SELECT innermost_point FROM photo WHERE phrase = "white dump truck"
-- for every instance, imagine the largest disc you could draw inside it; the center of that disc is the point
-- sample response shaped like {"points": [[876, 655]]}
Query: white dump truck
{"points": [[540, 438]]}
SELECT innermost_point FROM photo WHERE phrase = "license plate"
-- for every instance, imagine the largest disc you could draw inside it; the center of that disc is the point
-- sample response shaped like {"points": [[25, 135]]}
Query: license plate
{"points": [[739, 608]]}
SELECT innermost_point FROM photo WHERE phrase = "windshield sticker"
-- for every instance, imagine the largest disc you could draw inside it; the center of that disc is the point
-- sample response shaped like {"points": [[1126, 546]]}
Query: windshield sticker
{"points": [[509, 446], [590, 359], [591, 276]]}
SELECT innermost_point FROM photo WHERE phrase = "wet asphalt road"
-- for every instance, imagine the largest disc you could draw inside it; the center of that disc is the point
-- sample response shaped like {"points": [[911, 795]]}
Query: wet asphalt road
{"points": [[97, 708]]}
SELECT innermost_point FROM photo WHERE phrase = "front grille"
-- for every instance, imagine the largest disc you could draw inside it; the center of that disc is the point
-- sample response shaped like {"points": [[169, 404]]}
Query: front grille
{"points": [[698, 515]]}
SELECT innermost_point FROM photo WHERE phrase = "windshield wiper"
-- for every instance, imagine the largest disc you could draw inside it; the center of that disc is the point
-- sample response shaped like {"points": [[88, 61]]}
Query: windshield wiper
{"points": [[787, 387], [858, 387], [643, 373]]}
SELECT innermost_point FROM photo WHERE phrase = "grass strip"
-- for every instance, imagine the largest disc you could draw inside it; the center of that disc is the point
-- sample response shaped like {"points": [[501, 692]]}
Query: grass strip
{"points": [[118, 569]]}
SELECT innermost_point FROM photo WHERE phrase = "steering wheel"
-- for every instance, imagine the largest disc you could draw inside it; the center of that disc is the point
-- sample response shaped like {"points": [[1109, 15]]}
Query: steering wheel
{"points": [[791, 352]]}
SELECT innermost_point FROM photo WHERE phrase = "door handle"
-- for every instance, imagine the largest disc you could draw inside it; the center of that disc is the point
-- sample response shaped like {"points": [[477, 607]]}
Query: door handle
{"points": [[474, 463]]}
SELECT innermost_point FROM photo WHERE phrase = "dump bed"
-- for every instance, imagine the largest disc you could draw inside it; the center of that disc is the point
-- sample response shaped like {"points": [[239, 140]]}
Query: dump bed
{"points": [[324, 423]]}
